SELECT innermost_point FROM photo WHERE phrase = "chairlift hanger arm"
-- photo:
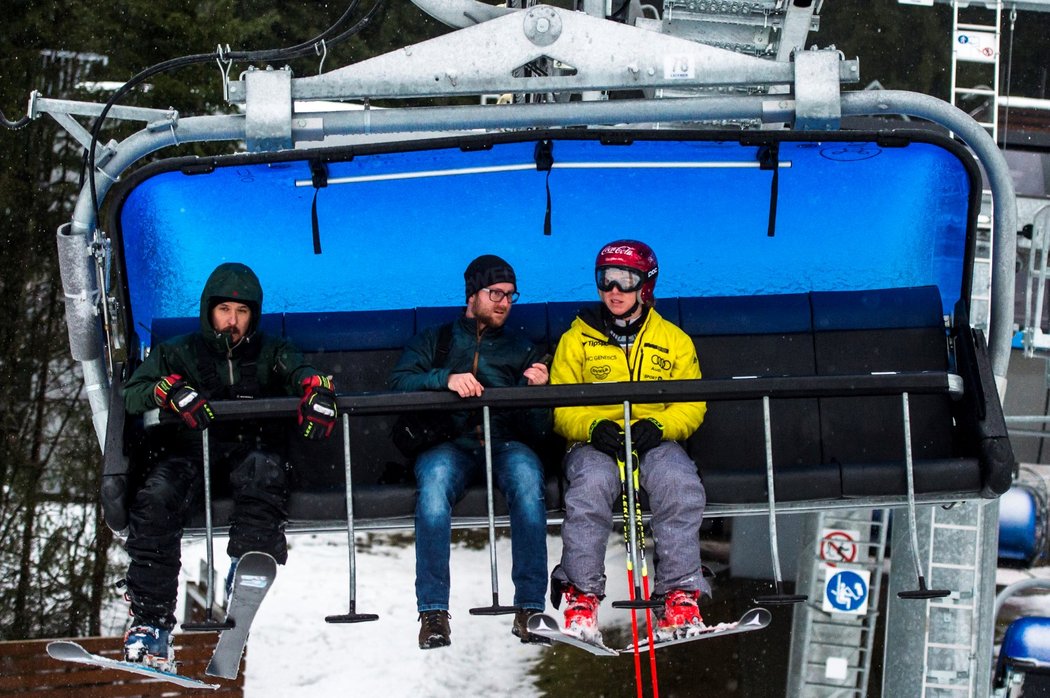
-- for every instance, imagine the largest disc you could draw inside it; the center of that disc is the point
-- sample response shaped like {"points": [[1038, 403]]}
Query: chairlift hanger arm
{"points": [[481, 59]]}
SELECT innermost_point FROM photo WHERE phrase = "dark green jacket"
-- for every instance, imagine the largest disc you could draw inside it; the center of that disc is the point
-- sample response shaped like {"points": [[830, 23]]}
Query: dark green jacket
{"points": [[502, 357], [208, 362]]}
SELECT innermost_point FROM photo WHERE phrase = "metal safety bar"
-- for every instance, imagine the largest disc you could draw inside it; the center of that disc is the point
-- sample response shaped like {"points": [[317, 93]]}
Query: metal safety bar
{"points": [[352, 616], [495, 609], [209, 623], [779, 598]]}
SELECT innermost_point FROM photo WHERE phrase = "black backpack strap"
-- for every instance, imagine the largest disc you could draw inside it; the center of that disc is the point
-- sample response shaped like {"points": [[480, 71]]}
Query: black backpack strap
{"points": [[444, 345]]}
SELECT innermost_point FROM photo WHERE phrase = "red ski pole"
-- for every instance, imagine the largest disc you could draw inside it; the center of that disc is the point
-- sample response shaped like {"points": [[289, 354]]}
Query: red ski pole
{"points": [[628, 536], [633, 532]]}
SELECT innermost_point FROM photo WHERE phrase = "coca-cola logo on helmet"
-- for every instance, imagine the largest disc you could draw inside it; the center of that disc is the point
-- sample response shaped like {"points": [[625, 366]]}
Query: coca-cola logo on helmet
{"points": [[619, 249]]}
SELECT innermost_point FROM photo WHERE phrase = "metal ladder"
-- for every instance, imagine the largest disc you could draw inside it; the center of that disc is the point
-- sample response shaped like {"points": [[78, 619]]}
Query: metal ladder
{"points": [[981, 287], [952, 657], [977, 44], [951, 641], [831, 653]]}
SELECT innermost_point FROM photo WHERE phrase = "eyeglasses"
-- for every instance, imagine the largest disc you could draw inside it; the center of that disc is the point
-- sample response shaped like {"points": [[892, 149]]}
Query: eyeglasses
{"points": [[627, 280], [496, 295]]}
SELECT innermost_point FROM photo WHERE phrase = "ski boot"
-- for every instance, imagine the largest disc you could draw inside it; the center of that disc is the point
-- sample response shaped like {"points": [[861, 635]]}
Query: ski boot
{"points": [[520, 629], [434, 630], [581, 615], [150, 646], [680, 616]]}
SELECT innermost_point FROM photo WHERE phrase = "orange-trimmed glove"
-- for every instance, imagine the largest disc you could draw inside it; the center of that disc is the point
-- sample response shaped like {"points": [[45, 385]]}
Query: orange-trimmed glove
{"points": [[317, 408], [175, 394]]}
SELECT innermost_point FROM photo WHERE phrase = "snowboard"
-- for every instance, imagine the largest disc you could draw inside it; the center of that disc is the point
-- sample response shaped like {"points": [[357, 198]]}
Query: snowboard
{"points": [[252, 579], [546, 626], [755, 619], [72, 652]]}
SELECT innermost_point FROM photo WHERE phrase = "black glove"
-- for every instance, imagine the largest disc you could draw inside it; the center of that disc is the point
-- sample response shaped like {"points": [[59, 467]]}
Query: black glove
{"points": [[317, 408], [646, 434], [183, 399], [607, 436]]}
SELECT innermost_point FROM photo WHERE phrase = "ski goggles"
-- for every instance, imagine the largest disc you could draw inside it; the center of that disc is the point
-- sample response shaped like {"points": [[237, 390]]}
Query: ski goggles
{"points": [[627, 280]]}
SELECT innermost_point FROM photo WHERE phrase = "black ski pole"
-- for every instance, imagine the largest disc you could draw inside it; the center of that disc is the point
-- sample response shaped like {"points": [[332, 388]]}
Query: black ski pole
{"points": [[209, 623], [352, 616], [495, 609]]}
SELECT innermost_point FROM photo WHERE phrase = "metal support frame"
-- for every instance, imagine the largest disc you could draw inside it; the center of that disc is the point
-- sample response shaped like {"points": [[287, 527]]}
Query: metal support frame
{"points": [[606, 55]]}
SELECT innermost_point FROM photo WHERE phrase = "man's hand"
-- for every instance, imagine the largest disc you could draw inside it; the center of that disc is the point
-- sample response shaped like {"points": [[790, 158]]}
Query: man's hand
{"points": [[607, 436], [646, 434], [317, 408], [175, 394], [537, 374], [465, 385]]}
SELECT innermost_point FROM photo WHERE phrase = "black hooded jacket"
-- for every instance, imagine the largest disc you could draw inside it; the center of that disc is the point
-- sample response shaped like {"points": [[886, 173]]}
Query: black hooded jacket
{"points": [[256, 366]]}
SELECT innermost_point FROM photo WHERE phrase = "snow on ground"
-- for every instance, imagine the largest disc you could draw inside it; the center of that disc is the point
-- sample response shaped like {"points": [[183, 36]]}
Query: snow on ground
{"points": [[293, 651]]}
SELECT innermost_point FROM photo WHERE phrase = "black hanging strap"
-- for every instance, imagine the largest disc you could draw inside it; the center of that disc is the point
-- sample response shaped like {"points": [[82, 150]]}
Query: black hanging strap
{"points": [[544, 163], [319, 177], [769, 159]]}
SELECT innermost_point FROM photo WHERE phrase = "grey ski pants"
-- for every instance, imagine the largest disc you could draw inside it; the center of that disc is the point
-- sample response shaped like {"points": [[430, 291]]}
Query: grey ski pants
{"points": [[676, 499]]}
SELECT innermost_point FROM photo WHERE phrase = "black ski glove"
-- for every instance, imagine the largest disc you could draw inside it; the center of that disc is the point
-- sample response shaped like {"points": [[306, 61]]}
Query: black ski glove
{"points": [[175, 394], [317, 408], [607, 436], [646, 434]]}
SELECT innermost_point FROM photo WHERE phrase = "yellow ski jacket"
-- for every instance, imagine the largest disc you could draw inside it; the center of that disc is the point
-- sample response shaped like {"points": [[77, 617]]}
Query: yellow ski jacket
{"points": [[661, 351]]}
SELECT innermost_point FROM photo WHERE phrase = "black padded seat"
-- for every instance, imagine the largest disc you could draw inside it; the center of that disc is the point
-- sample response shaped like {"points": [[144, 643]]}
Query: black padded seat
{"points": [[932, 476], [757, 336], [876, 331]]}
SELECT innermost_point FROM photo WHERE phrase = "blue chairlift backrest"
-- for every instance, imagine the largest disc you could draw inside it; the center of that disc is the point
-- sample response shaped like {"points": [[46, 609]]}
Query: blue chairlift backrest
{"points": [[398, 224]]}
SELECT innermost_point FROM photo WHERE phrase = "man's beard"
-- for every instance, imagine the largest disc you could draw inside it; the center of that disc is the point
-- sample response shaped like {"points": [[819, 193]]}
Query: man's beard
{"points": [[488, 318]]}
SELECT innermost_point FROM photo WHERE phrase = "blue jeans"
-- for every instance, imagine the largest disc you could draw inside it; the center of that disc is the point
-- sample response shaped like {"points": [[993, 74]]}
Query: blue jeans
{"points": [[442, 475]]}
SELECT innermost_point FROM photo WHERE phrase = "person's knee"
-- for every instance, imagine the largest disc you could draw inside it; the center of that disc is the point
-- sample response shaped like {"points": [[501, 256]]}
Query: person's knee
{"points": [[524, 481], [595, 480], [260, 470], [162, 497]]}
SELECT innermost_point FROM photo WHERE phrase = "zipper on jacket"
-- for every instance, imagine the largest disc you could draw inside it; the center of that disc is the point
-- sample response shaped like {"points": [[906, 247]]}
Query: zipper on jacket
{"points": [[634, 373]]}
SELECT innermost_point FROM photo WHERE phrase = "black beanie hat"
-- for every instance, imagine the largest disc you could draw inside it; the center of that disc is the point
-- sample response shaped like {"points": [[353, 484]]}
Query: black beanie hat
{"points": [[486, 270]]}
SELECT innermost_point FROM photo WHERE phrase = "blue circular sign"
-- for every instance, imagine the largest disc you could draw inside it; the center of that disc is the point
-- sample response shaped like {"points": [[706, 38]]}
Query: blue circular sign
{"points": [[846, 591]]}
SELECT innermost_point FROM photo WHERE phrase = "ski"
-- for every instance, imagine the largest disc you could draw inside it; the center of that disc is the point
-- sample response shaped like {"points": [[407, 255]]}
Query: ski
{"points": [[72, 652], [545, 626], [755, 619], [254, 576]]}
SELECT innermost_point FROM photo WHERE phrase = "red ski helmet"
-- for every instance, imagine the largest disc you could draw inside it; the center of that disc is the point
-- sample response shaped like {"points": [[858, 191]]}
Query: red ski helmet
{"points": [[631, 254]]}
